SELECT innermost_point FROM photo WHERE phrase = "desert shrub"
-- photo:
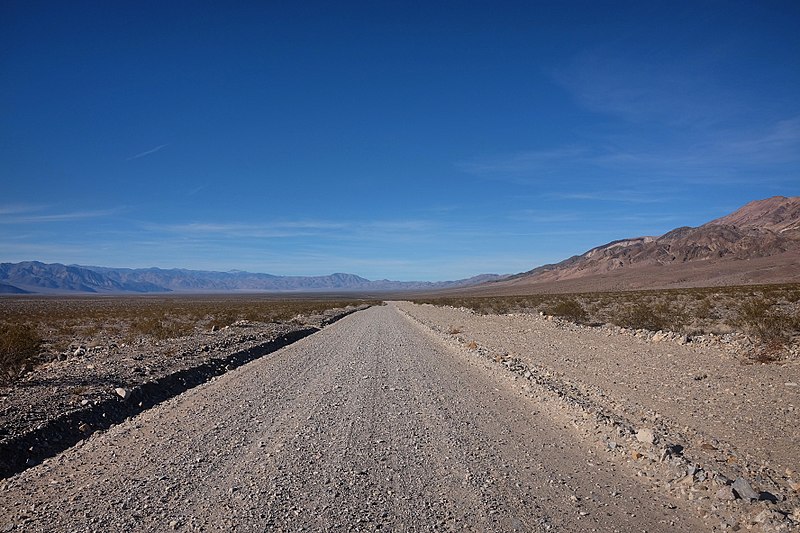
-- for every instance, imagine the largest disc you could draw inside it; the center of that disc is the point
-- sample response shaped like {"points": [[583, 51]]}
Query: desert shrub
{"points": [[759, 317], [222, 319], [705, 310], [500, 307], [792, 296], [569, 309], [19, 346], [654, 317], [160, 328]]}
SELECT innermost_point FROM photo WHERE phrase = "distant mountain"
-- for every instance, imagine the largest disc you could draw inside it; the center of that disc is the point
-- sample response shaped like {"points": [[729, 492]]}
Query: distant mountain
{"points": [[10, 289], [36, 277], [758, 243], [33, 276]]}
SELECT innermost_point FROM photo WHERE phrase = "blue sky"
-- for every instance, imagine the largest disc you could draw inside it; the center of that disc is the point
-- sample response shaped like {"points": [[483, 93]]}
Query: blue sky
{"points": [[401, 140]]}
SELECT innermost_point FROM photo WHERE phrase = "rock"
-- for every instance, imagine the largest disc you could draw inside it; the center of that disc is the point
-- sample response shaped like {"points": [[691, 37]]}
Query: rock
{"points": [[767, 517], [744, 490], [726, 493], [122, 393], [84, 402], [80, 351], [84, 427], [646, 435]]}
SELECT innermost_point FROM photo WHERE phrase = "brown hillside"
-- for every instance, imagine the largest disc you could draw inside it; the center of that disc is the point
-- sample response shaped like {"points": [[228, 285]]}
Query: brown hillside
{"points": [[759, 243]]}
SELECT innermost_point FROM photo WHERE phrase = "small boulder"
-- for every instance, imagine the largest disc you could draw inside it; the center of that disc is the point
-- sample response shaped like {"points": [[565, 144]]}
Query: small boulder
{"points": [[744, 490], [122, 393]]}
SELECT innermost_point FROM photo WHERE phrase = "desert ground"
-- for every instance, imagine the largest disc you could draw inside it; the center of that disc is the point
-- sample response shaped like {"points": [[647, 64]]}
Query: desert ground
{"points": [[410, 417]]}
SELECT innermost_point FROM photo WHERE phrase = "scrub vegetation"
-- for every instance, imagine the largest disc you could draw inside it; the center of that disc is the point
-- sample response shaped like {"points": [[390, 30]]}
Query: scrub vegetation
{"points": [[35, 329], [769, 315]]}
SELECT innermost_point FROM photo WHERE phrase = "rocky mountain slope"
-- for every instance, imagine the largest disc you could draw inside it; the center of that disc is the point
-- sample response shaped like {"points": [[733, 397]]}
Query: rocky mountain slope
{"points": [[759, 243], [36, 277]]}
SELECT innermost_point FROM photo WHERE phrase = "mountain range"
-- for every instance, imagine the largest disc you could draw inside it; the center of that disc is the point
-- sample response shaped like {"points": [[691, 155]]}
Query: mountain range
{"points": [[37, 277], [758, 243]]}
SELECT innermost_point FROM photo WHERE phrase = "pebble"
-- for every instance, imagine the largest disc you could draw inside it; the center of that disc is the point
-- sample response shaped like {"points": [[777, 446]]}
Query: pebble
{"points": [[122, 393], [646, 435], [726, 493]]}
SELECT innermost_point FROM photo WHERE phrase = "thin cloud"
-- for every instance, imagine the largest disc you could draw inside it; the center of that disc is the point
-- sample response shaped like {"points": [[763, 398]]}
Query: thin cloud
{"points": [[280, 229], [148, 152], [58, 217], [630, 197], [524, 162], [777, 142], [336, 230], [615, 82], [15, 209], [197, 189]]}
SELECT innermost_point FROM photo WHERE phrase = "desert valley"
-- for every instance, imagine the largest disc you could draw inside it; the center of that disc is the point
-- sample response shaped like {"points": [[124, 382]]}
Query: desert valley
{"points": [[678, 394]]}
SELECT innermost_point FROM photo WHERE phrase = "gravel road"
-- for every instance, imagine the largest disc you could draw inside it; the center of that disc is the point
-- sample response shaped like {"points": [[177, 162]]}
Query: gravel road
{"points": [[372, 423]]}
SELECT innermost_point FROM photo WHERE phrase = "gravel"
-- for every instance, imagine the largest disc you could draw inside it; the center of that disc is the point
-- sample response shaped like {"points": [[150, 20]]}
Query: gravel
{"points": [[373, 423], [690, 418]]}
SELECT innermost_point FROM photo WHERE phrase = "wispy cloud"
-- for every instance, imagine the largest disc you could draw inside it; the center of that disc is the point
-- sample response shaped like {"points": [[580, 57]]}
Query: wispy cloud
{"points": [[147, 152], [758, 153], [339, 230], [197, 189], [676, 93], [527, 162], [278, 229], [621, 196], [775, 143], [16, 209], [57, 217]]}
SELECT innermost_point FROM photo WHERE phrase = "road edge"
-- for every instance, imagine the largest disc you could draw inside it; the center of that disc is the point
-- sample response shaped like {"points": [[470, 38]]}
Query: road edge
{"points": [[58, 434]]}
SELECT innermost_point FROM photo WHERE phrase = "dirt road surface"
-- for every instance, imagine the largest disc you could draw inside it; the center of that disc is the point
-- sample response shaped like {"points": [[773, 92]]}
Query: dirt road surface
{"points": [[373, 423]]}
